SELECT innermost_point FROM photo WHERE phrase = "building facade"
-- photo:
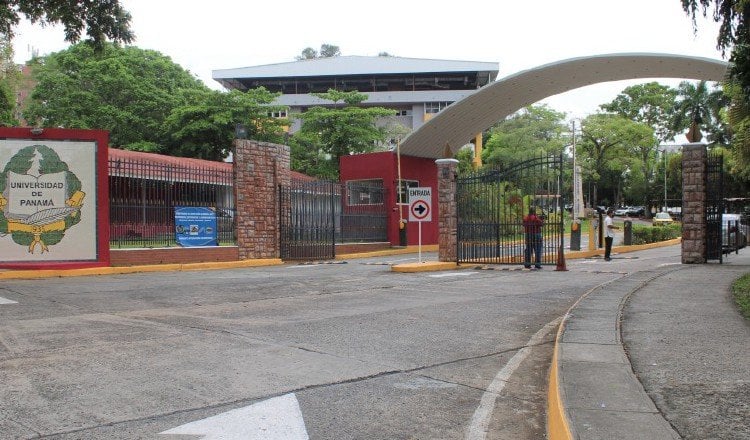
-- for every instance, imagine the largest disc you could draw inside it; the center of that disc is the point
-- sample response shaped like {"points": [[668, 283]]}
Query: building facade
{"points": [[415, 89]]}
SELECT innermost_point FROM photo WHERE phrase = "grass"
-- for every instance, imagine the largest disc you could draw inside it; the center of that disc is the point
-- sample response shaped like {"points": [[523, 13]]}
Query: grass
{"points": [[741, 291]]}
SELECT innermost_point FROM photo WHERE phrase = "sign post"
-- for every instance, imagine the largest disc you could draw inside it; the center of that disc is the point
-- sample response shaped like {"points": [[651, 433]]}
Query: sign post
{"points": [[420, 209]]}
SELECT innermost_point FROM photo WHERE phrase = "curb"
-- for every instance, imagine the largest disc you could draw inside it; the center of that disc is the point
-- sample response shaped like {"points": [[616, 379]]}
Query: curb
{"points": [[60, 273], [564, 412]]}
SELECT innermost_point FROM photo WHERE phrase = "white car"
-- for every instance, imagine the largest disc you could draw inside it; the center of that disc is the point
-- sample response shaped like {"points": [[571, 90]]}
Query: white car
{"points": [[622, 211]]}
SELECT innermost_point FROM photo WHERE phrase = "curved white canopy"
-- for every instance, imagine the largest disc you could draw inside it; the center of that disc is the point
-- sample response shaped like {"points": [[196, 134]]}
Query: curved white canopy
{"points": [[462, 120]]}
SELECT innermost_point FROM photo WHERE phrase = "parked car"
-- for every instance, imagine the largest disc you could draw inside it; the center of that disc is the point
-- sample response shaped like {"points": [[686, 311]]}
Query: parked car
{"points": [[662, 218], [734, 231], [636, 211], [622, 211]]}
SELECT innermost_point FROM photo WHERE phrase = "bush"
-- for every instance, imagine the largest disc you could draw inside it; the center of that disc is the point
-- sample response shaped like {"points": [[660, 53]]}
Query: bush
{"points": [[652, 234], [741, 291]]}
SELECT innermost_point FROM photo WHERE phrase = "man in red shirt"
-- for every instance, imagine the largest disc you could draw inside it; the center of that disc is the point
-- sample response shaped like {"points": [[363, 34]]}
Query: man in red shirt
{"points": [[532, 226]]}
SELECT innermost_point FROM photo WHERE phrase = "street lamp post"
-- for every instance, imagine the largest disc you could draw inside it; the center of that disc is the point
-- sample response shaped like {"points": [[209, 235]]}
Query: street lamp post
{"points": [[665, 180]]}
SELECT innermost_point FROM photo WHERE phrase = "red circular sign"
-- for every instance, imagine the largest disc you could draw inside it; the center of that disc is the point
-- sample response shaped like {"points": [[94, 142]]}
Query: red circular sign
{"points": [[420, 209]]}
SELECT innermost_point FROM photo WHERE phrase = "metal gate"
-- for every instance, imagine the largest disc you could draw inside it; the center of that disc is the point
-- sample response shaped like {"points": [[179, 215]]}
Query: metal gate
{"points": [[308, 220], [714, 206], [491, 205]]}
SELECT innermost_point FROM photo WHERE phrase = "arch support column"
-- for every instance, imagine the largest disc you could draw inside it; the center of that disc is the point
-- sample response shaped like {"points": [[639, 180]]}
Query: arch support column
{"points": [[447, 170], [694, 159]]}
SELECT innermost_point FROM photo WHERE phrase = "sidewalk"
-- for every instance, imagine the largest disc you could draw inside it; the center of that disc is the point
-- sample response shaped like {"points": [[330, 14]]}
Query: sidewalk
{"points": [[660, 354]]}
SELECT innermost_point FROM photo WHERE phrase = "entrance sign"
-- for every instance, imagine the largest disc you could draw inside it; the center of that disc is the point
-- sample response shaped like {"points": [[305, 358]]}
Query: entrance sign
{"points": [[53, 201], [420, 204], [195, 226], [420, 209]]}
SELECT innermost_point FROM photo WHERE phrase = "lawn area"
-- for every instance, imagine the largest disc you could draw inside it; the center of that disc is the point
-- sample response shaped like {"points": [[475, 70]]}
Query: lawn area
{"points": [[741, 291]]}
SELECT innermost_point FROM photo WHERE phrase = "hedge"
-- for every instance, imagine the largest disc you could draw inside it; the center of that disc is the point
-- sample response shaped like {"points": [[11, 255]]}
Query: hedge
{"points": [[652, 234]]}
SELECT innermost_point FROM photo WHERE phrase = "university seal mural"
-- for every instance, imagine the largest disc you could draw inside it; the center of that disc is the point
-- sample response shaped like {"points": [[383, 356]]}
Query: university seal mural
{"points": [[40, 198], [48, 200]]}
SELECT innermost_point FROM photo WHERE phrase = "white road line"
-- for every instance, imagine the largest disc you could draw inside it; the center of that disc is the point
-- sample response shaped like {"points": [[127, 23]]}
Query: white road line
{"points": [[481, 420], [7, 301], [452, 274]]}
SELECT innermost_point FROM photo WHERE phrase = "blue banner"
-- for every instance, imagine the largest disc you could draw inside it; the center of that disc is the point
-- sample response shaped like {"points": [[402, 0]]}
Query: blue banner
{"points": [[195, 226]]}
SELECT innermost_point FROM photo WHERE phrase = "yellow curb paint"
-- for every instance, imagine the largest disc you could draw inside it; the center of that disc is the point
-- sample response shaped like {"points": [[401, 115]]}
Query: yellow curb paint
{"points": [[557, 422], [119, 270], [386, 252]]}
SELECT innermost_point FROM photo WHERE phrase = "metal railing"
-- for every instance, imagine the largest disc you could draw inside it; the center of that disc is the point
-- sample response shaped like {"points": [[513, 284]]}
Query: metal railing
{"points": [[143, 197]]}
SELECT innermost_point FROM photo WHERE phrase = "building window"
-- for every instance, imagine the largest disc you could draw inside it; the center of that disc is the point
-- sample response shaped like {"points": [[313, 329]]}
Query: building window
{"points": [[364, 192], [403, 190], [277, 114], [403, 112], [435, 107]]}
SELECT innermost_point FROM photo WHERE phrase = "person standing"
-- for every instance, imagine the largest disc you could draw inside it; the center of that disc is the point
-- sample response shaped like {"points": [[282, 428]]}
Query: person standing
{"points": [[609, 230], [532, 226]]}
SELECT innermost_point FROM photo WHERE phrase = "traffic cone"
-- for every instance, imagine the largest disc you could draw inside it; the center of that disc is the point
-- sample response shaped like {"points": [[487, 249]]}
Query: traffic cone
{"points": [[561, 260]]}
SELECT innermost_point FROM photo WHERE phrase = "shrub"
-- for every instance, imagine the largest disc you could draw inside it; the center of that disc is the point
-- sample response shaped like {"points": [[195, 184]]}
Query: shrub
{"points": [[652, 234]]}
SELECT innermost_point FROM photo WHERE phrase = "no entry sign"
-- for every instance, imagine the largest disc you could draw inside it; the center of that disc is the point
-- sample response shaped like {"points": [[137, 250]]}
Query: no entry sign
{"points": [[420, 204]]}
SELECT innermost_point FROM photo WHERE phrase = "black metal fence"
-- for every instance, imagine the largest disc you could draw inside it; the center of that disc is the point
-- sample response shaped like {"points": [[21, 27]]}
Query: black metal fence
{"points": [[491, 206], [143, 197], [714, 206], [316, 215]]}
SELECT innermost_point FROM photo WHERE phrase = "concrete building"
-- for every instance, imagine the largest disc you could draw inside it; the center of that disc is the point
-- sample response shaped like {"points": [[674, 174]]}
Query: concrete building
{"points": [[415, 89]]}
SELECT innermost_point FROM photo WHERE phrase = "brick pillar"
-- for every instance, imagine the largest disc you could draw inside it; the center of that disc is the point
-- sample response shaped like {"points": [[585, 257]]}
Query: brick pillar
{"points": [[259, 169], [694, 158], [447, 215]]}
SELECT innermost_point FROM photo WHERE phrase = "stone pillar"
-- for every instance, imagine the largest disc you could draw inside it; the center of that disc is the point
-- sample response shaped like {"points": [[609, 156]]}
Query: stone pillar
{"points": [[259, 169], [694, 158], [447, 170]]}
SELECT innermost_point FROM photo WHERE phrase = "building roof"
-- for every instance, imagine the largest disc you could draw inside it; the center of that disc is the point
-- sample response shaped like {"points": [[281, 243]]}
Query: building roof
{"points": [[178, 169], [355, 65]]}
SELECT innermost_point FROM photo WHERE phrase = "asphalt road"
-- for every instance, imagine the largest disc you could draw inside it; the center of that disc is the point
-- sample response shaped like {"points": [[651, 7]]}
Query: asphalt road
{"points": [[329, 351]]}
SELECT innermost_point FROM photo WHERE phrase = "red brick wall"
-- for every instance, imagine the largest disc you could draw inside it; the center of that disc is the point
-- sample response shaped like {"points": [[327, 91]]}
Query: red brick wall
{"points": [[137, 257]]}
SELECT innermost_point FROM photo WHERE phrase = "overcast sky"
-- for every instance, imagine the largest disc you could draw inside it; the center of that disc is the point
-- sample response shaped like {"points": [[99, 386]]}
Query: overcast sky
{"points": [[203, 36]]}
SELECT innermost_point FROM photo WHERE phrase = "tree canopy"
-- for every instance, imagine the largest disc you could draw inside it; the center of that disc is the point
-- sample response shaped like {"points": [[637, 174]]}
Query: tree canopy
{"points": [[326, 51], [650, 103], [339, 131], [203, 126], [534, 130], [101, 20], [608, 152], [126, 90], [146, 102]]}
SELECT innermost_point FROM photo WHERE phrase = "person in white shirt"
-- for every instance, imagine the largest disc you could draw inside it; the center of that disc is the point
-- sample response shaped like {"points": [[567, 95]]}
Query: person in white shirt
{"points": [[609, 230]]}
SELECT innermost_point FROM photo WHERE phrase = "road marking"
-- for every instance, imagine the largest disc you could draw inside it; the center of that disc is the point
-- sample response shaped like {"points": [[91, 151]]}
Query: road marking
{"points": [[279, 418], [7, 301], [453, 274], [481, 420]]}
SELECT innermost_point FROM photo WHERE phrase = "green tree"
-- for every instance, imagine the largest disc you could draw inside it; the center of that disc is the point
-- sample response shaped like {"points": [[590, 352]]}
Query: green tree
{"points": [[126, 90], [697, 103], [607, 153], [99, 19], [734, 38], [650, 103], [203, 125], [326, 51], [9, 79], [346, 129], [535, 130]]}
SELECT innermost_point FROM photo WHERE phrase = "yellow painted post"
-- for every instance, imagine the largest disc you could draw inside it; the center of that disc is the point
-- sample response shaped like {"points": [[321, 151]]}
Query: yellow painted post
{"points": [[592, 233], [477, 162]]}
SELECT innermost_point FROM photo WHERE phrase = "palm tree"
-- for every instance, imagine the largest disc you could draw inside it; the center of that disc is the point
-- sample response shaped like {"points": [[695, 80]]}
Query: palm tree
{"points": [[697, 109]]}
